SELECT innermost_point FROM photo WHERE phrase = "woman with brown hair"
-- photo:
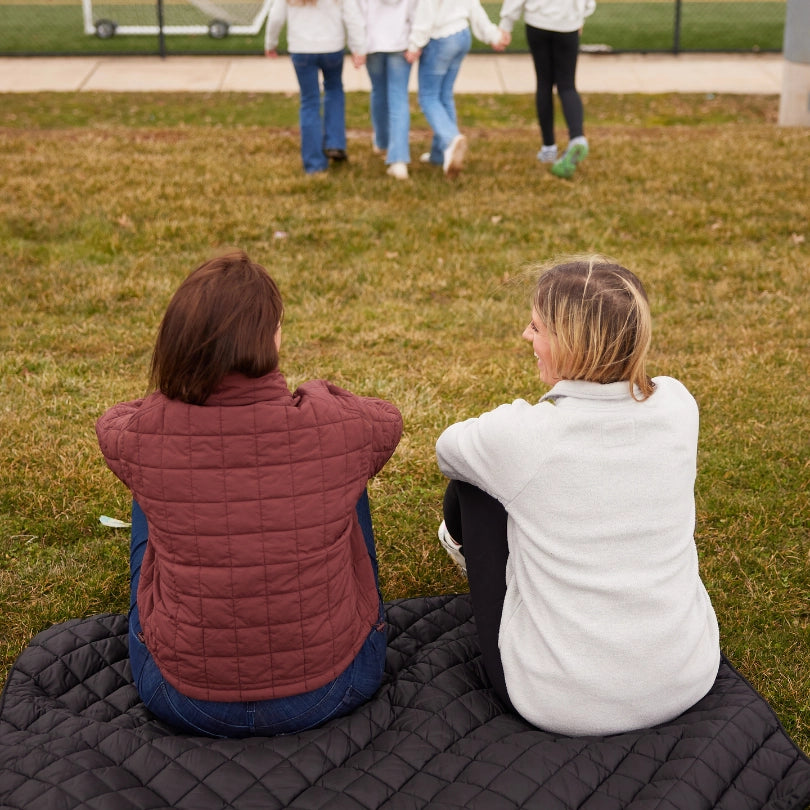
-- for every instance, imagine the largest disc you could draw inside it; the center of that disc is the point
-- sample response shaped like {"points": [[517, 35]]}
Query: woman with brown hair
{"points": [[254, 602]]}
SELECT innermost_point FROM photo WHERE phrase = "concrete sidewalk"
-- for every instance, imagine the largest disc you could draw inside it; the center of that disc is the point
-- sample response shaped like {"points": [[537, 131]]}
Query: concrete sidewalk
{"points": [[480, 73]]}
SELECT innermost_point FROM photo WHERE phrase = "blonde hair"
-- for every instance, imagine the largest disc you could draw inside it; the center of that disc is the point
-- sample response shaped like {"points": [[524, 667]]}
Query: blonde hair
{"points": [[599, 323]]}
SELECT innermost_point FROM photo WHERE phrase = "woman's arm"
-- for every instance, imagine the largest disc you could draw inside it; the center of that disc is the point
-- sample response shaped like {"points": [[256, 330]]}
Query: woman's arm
{"points": [[276, 18], [496, 452]]}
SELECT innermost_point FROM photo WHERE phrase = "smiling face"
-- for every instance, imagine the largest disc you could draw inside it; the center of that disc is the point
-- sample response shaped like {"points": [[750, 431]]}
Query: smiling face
{"points": [[537, 334]]}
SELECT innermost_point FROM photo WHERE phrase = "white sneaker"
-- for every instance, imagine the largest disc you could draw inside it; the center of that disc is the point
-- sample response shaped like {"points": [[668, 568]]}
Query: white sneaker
{"points": [[454, 156], [452, 548], [424, 157], [398, 170], [548, 154]]}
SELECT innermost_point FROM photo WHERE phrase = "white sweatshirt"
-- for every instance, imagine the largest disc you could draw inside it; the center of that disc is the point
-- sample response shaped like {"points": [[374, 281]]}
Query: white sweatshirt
{"points": [[436, 19], [321, 27], [388, 24], [563, 16], [606, 625]]}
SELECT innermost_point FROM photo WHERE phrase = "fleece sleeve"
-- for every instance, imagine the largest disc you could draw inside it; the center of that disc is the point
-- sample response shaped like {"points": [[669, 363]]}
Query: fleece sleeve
{"points": [[424, 18], [355, 27], [495, 452], [482, 27], [276, 18], [511, 11]]}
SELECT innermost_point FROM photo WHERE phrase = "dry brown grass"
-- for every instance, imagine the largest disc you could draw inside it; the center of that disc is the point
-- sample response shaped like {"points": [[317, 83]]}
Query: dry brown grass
{"points": [[398, 289]]}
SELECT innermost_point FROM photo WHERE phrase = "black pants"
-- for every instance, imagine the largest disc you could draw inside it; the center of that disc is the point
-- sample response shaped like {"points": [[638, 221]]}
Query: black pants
{"points": [[555, 62], [478, 522]]}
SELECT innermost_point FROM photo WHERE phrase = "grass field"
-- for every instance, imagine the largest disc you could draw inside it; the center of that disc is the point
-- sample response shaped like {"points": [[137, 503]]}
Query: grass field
{"points": [[626, 25], [412, 291]]}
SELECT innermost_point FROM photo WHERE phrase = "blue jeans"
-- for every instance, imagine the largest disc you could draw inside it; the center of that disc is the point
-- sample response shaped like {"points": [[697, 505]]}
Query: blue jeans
{"points": [[390, 106], [353, 687], [439, 65], [327, 131]]}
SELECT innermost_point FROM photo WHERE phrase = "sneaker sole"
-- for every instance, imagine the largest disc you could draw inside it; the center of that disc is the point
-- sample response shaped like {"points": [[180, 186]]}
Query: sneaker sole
{"points": [[453, 553], [457, 154], [567, 164]]}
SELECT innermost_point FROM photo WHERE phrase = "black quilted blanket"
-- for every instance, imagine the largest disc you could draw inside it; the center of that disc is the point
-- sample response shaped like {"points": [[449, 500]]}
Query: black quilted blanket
{"points": [[73, 734]]}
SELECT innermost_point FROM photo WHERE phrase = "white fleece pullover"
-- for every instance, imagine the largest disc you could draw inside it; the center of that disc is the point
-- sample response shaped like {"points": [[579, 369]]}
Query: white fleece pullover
{"points": [[388, 24], [606, 625], [563, 16], [321, 27], [436, 19]]}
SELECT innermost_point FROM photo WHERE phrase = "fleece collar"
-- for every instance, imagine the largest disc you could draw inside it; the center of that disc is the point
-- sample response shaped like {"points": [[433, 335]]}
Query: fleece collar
{"points": [[584, 389]]}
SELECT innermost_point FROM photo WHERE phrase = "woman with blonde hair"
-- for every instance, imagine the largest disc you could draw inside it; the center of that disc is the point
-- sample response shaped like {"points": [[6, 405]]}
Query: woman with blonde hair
{"points": [[388, 25], [317, 33], [440, 39], [574, 519]]}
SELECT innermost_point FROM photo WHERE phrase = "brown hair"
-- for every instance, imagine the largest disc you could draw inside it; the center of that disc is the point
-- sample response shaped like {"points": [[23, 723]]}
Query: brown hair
{"points": [[598, 318], [223, 318]]}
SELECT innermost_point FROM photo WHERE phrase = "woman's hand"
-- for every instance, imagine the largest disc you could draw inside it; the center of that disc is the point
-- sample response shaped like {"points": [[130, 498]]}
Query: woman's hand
{"points": [[503, 41]]}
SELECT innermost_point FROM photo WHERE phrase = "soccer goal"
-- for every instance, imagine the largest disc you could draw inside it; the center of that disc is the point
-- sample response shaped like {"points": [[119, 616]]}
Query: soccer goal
{"points": [[217, 18]]}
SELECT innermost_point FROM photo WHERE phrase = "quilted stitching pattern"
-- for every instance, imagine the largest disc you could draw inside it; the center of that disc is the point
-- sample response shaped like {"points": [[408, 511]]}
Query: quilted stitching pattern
{"points": [[251, 506], [73, 734]]}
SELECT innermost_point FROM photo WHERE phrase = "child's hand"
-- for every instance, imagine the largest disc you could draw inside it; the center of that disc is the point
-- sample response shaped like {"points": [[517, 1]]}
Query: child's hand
{"points": [[358, 59], [271, 54], [412, 56]]}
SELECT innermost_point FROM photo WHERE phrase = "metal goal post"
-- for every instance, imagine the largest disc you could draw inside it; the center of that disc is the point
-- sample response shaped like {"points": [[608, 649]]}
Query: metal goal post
{"points": [[217, 18]]}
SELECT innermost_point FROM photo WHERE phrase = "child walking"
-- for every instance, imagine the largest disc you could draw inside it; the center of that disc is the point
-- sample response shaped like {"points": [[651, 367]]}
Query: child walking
{"points": [[440, 39], [317, 32], [553, 29], [574, 518], [254, 600], [388, 24]]}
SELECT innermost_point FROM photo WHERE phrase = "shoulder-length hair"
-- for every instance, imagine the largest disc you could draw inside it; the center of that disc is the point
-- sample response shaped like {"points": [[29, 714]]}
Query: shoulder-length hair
{"points": [[223, 318], [598, 318]]}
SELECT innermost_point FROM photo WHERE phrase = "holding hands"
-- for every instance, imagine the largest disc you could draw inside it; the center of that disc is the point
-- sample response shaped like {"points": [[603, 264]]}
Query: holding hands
{"points": [[503, 41]]}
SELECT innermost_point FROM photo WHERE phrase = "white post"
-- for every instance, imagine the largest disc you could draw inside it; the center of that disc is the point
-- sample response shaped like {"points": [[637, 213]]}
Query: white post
{"points": [[87, 16], [794, 103]]}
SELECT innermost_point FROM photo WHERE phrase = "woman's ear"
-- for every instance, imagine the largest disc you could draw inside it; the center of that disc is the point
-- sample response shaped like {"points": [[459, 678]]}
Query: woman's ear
{"points": [[277, 338]]}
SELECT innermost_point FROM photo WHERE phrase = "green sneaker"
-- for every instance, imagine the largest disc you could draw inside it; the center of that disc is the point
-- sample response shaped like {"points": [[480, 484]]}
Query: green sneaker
{"points": [[567, 164]]}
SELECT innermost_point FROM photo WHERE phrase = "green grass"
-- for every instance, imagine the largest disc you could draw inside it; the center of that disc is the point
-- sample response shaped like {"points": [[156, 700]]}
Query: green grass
{"points": [[750, 25], [411, 291]]}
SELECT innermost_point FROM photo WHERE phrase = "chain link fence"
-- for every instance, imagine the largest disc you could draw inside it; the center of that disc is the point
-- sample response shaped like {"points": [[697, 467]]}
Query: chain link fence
{"points": [[95, 27]]}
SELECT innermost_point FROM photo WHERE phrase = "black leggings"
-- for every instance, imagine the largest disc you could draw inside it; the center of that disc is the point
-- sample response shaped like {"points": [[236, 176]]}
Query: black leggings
{"points": [[478, 522], [555, 62]]}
